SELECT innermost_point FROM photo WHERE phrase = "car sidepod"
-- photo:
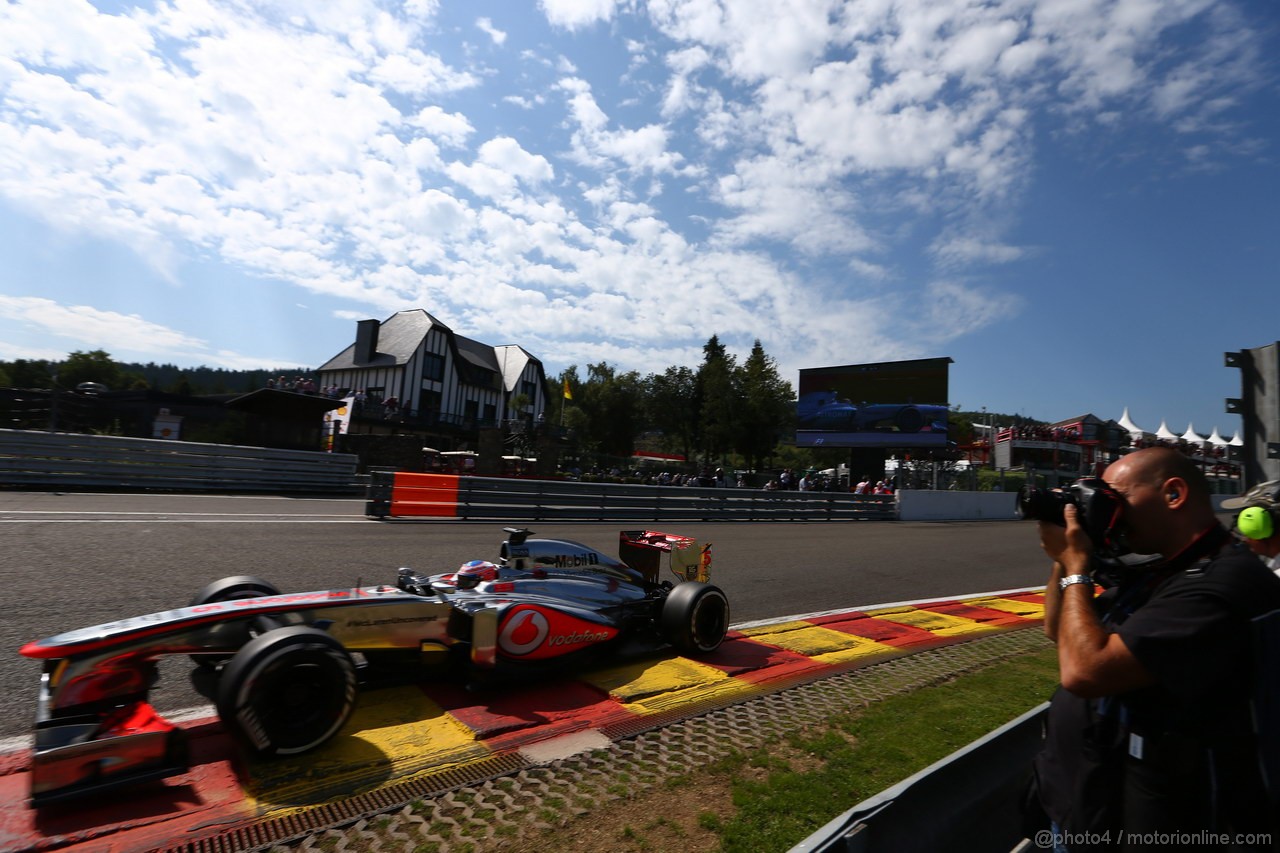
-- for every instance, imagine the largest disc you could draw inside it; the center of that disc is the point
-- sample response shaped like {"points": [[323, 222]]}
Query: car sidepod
{"points": [[537, 632]]}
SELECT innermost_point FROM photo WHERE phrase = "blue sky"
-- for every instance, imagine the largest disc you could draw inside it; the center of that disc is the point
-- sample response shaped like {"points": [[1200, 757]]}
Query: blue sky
{"points": [[1076, 200]]}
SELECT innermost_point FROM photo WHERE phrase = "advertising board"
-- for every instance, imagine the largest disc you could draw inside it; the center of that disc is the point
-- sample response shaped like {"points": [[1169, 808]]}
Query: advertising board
{"points": [[891, 404]]}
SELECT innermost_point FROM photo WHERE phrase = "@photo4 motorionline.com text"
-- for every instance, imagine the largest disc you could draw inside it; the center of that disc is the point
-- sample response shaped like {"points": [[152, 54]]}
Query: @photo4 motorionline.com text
{"points": [[1048, 840]]}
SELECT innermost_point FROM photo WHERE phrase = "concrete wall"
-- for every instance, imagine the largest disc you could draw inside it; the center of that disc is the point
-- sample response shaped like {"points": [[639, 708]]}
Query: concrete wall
{"points": [[917, 505]]}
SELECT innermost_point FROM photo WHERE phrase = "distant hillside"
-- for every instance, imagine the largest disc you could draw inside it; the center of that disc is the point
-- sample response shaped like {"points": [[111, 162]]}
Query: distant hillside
{"points": [[205, 380], [99, 367], [996, 418], [208, 380]]}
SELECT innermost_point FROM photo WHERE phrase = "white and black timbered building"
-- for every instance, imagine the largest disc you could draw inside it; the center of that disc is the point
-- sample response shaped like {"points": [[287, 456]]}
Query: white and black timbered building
{"points": [[413, 369]]}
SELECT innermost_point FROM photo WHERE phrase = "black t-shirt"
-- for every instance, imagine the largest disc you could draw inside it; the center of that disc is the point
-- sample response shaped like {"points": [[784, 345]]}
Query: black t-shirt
{"points": [[1149, 761]]}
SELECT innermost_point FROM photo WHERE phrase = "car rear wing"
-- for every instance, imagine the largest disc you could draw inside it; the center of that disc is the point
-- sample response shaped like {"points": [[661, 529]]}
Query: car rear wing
{"points": [[642, 550]]}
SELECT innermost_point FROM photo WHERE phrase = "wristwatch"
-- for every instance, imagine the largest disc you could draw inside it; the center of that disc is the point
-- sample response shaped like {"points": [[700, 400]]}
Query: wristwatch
{"points": [[1072, 579]]}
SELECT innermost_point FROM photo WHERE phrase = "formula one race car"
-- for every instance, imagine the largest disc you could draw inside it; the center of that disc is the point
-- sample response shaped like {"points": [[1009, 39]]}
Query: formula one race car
{"points": [[288, 666], [826, 410]]}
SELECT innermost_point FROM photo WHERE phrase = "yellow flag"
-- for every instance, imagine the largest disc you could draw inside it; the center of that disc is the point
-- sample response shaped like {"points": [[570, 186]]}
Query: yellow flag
{"points": [[568, 395]]}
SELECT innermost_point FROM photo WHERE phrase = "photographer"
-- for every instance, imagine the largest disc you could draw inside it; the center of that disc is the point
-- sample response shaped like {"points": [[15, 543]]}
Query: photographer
{"points": [[1150, 731]]}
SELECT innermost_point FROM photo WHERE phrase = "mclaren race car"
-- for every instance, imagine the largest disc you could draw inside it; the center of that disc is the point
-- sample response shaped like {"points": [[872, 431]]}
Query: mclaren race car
{"points": [[287, 667]]}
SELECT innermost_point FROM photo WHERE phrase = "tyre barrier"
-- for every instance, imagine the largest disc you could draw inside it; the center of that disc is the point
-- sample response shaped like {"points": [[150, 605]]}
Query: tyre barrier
{"points": [[397, 494]]}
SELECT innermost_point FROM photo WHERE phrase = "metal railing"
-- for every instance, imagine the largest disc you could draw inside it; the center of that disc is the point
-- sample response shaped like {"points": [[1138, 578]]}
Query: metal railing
{"points": [[72, 460], [399, 495]]}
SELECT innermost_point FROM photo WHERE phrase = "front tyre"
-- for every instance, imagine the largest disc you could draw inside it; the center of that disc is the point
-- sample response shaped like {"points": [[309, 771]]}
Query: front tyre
{"points": [[229, 589], [287, 691], [695, 618]]}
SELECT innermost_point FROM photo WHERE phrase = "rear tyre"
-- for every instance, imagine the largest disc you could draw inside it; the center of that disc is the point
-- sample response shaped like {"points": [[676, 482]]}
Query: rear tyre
{"points": [[229, 589], [287, 691], [910, 420], [695, 618]]}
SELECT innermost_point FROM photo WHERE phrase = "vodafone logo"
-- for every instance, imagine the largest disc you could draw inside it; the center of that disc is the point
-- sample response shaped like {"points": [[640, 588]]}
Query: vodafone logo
{"points": [[534, 633], [523, 632]]}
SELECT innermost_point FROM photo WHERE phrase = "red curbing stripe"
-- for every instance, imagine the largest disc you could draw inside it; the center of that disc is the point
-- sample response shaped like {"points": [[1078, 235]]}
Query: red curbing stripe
{"points": [[978, 614], [880, 630], [504, 720]]}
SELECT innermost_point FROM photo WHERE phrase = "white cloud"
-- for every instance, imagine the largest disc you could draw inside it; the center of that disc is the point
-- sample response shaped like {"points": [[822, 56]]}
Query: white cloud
{"points": [[419, 73], [123, 335], [450, 128], [486, 25], [577, 14], [644, 149], [762, 172], [500, 169], [956, 310], [961, 250]]}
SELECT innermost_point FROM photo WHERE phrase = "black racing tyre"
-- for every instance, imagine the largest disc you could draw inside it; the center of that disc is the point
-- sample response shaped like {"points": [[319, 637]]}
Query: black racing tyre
{"points": [[287, 691], [229, 589], [909, 419], [694, 618], [237, 586]]}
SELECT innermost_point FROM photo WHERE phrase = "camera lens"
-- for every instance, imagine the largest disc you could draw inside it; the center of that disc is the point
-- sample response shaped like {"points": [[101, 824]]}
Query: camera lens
{"points": [[1038, 504]]}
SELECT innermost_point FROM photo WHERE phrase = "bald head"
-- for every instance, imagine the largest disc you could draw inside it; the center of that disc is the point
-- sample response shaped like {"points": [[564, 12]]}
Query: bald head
{"points": [[1156, 465], [1167, 496]]}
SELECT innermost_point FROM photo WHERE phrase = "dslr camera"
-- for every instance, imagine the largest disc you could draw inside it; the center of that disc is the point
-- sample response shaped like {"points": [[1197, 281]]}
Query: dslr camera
{"points": [[1099, 508]]}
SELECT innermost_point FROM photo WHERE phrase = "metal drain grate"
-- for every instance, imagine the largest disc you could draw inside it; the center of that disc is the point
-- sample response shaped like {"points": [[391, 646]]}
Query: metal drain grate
{"points": [[476, 806]]}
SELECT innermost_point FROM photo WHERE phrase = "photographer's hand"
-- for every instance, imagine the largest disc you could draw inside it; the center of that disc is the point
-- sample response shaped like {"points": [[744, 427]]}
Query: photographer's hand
{"points": [[1064, 545], [1076, 553], [1053, 539], [1092, 661]]}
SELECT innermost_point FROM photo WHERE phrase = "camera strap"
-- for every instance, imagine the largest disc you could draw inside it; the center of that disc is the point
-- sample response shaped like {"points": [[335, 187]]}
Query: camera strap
{"points": [[1198, 554]]}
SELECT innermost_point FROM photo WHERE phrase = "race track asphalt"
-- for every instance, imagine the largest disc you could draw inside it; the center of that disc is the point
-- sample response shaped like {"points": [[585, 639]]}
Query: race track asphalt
{"points": [[74, 560]]}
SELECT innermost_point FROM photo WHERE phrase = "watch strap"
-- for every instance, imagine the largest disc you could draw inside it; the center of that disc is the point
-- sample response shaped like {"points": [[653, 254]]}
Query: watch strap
{"points": [[1069, 580]]}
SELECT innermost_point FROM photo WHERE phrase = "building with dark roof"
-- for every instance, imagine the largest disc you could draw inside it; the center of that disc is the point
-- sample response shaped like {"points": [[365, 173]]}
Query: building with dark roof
{"points": [[415, 373]]}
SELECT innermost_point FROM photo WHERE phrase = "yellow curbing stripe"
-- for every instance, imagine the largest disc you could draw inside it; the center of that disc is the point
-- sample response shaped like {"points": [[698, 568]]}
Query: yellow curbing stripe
{"points": [[815, 641], [651, 688], [720, 691], [941, 624], [634, 683], [402, 733], [1025, 609], [771, 628], [860, 654]]}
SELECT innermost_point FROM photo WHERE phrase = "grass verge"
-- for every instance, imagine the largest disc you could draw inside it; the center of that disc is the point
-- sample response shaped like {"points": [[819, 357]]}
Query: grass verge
{"points": [[817, 775], [754, 800]]}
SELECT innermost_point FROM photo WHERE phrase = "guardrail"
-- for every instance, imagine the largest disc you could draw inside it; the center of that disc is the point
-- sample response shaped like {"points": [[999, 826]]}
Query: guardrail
{"points": [[446, 496], [969, 801], [72, 460]]}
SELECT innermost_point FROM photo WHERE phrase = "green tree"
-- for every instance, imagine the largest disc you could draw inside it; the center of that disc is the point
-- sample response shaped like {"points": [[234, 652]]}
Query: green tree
{"points": [[767, 408], [610, 404], [670, 407], [25, 373], [93, 366], [718, 401]]}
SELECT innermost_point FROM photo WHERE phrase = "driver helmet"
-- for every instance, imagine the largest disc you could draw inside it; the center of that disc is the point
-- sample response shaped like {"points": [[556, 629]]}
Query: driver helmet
{"points": [[472, 572]]}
